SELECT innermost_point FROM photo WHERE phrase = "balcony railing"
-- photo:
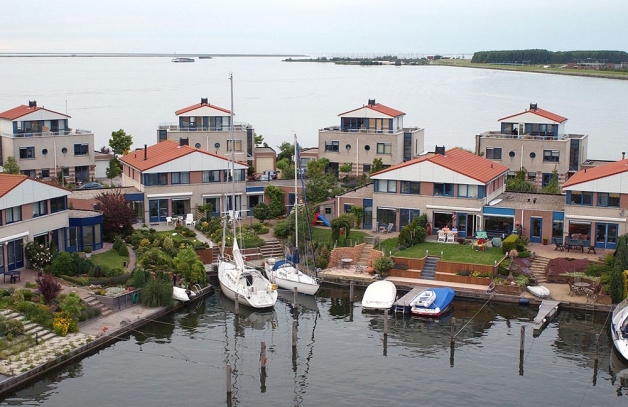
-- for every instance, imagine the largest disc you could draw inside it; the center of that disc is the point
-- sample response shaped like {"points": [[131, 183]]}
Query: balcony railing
{"points": [[69, 132], [176, 127], [491, 134], [367, 131]]}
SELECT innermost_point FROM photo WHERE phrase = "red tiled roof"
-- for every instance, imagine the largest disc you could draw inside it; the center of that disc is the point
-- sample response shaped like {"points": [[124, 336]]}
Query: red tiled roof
{"points": [[540, 112], [598, 172], [378, 107], [23, 110], [8, 182], [161, 153], [460, 161], [198, 105]]}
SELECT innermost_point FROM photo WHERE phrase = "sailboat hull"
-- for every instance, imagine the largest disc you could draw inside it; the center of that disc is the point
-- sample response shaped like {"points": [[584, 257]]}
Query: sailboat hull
{"points": [[289, 278], [254, 292]]}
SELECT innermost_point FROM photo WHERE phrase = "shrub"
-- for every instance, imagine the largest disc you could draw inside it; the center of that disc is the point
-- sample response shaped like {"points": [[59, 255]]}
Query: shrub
{"points": [[123, 250], [510, 243], [71, 305], [139, 278], [11, 328], [39, 256], [62, 264], [117, 243], [157, 293], [87, 249], [383, 264], [49, 287], [525, 254], [282, 229]]}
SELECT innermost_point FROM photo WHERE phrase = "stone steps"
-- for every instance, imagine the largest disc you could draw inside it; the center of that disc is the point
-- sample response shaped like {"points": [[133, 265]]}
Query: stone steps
{"points": [[94, 303], [429, 269], [364, 256], [272, 248], [538, 268]]}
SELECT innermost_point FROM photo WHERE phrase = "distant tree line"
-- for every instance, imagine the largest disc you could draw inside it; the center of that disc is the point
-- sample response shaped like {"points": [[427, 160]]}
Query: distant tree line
{"points": [[543, 56]]}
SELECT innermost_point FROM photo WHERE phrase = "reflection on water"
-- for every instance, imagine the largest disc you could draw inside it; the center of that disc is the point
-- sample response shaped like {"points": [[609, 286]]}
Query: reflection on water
{"points": [[341, 357]]}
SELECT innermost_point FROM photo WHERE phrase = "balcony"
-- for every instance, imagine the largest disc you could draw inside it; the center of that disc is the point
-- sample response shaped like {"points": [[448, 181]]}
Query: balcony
{"points": [[69, 132], [336, 129], [175, 127], [499, 135]]}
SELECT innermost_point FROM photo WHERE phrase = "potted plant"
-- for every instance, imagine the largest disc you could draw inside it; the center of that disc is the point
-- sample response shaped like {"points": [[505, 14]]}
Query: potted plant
{"points": [[544, 240], [88, 251]]}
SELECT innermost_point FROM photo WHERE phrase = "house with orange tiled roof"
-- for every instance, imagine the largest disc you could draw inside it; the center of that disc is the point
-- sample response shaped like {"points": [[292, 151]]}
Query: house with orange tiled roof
{"points": [[44, 145], [33, 210], [534, 139], [206, 126], [368, 132], [173, 179], [596, 204], [451, 187]]}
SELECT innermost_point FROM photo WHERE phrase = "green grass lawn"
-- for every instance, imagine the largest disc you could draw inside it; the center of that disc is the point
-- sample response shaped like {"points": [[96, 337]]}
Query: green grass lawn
{"points": [[451, 252], [110, 259], [323, 235]]}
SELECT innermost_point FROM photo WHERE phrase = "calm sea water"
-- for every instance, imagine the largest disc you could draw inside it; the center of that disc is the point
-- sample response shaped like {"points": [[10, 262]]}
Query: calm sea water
{"points": [[342, 359], [280, 99]]}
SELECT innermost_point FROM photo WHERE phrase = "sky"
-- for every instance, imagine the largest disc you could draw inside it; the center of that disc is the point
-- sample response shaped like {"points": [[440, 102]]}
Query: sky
{"points": [[321, 27]]}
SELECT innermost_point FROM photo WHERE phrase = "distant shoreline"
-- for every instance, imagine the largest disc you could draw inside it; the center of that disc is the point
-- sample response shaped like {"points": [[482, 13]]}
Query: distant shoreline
{"points": [[131, 55]]}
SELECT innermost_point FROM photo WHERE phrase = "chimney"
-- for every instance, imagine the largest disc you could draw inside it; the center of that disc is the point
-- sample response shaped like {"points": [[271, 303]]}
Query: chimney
{"points": [[439, 150], [371, 102], [145, 153], [32, 103], [533, 106], [184, 141], [623, 155], [204, 101]]}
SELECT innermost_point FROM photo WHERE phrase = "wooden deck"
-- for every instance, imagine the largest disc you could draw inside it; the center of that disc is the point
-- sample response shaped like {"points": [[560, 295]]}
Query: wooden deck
{"points": [[547, 311]]}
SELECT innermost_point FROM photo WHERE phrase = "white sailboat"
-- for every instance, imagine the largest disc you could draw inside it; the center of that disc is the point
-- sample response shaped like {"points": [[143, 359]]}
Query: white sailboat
{"points": [[285, 273], [238, 281]]}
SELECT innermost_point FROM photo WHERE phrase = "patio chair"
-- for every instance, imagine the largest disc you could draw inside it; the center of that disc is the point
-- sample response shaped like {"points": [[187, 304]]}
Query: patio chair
{"points": [[496, 242], [559, 244], [451, 237], [390, 227], [189, 220], [169, 220], [441, 236]]}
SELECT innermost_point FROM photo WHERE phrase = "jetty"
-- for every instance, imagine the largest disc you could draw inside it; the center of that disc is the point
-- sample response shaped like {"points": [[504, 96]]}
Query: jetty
{"points": [[402, 305], [547, 311]]}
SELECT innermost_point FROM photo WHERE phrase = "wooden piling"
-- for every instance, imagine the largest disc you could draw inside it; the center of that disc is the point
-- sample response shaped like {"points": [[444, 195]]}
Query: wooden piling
{"points": [[522, 340], [294, 334], [452, 338], [597, 347], [228, 371], [262, 356], [237, 304], [351, 283], [295, 292], [385, 323]]}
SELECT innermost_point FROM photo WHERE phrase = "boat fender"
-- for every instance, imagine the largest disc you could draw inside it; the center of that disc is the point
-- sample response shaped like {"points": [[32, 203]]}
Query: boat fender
{"points": [[273, 287], [135, 297], [524, 301]]}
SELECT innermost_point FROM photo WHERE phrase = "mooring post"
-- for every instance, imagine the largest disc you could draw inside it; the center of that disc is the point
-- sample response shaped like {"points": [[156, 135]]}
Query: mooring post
{"points": [[237, 304], [452, 338], [597, 347], [522, 339], [385, 323], [228, 370], [351, 283], [294, 333], [294, 301], [262, 356]]}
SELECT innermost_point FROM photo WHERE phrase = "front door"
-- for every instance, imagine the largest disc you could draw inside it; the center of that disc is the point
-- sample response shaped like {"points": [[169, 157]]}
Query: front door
{"points": [[536, 230], [606, 235], [157, 210]]}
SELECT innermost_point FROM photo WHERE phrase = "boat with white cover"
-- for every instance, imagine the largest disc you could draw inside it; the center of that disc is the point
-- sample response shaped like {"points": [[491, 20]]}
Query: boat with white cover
{"points": [[379, 295], [440, 305], [182, 294], [539, 291], [619, 329]]}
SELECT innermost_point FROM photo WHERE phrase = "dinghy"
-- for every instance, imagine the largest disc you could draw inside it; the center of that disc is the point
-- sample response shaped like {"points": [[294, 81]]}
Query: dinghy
{"points": [[539, 291]]}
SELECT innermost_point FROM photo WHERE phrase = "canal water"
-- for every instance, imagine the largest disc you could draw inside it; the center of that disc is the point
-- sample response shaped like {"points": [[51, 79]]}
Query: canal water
{"points": [[342, 358]]}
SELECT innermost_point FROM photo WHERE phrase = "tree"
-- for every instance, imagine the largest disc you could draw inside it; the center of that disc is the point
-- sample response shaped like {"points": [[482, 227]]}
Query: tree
{"points": [[358, 214], [276, 196], [519, 184], [286, 167], [343, 222], [117, 215], [376, 166], [346, 169], [617, 275], [262, 212], [258, 139], [114, 169], [120, 142], [188, 264], [10, 166], [105, 150], [320, 186], [286, 150], [552, 186], [206, 208]]}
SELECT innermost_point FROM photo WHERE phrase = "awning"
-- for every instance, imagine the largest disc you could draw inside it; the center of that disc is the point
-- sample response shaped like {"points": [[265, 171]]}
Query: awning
{"points": [[169, 195], [13, 237]]}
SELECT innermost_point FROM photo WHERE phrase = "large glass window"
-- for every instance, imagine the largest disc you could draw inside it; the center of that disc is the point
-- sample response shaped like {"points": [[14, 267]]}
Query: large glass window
{"points": [[215, 202], [332, 145], [88, 236], [469, 191], [237, 143], [156, 179], [384, 148], [409, 187], [81, 149], [551, 156], [606, 199], [180, 177], [384, 185], [27, 152], [40, 208], [494, 153], [406, 216], [443, 189], [13, 214], [211, 176], [386, 216], [58, 204], [580, 198]]}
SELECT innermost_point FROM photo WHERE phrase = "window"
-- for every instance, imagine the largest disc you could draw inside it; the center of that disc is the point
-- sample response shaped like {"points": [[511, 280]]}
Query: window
{"points": [[45, 172], [366, 168], [29, 173], [40, 208], [579, 198], [58, 204], [239, 175], [384, 148], [328, 211], [494, 153], [197, 145], [27, 152], [606, 199], [333, 146], [551, 156], [211, 176], [532, 154], [383, 185], [237, 143], [215, 203], [511, 175], [511, 154], [468, 191], [13, 214], [156, 179], [180, 178], [409, 187], [532, 176], [546, 177], [444, 189], [81, 149]]}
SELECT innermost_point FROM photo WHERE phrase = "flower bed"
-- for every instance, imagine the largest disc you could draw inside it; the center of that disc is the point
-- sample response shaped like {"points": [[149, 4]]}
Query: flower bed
{"points": [[558, 267]]}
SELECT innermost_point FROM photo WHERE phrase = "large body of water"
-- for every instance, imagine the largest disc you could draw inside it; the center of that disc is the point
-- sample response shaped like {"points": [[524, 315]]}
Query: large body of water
{"points": [[342, 359], [280, 98]]}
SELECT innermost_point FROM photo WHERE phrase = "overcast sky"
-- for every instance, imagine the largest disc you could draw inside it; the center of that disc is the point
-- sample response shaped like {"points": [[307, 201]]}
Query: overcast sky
{"points": [[312, 27]]}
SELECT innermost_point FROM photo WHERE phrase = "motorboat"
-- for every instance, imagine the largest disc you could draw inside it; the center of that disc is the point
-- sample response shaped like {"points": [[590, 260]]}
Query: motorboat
{"points": [[379, 295], [182, 294], [619, 329], [239, 281], [286, 272], [538, 291], [182, 59], [424, 299], [440, 305]]}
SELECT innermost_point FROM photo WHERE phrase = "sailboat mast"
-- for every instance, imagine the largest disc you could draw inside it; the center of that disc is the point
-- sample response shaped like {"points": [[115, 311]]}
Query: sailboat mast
{"points": [[296, 198], [231, 136]]}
